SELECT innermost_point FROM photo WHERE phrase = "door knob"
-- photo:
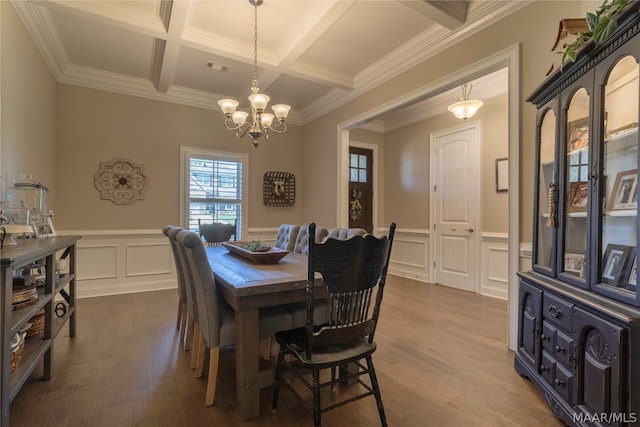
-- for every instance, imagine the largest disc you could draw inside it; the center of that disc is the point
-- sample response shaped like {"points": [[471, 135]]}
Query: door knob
{"points": [[470, 230]]}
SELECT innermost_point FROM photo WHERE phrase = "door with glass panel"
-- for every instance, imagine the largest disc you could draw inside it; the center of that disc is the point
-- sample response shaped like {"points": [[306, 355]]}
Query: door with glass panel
{"points": [[361, 188], [577, 183], [545, 222], [618, 239]]}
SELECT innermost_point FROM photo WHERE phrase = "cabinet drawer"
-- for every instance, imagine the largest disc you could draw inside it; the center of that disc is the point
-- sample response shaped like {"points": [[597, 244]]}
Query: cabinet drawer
{"points": [[562, 383], [548, 367], [558, 311], [563, 350], [548, 336]]}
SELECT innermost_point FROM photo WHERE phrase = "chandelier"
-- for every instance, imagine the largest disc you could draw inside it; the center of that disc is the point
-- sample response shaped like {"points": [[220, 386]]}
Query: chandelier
{"points": [[465, 107], [261, 122]]}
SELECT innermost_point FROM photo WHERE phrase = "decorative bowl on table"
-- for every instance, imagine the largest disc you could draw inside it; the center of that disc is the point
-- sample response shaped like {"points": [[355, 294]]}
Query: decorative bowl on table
{"points": [[257, 252]]}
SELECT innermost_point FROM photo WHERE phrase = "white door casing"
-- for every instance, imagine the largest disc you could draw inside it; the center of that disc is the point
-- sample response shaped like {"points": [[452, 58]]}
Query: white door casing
{"points": [[455, 207]]}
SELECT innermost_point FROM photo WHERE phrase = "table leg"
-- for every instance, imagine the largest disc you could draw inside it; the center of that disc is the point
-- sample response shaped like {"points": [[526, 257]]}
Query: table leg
{"points": [[247, 364]]}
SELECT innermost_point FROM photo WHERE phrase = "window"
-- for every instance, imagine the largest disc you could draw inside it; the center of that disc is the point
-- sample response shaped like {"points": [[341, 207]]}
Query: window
{"points": [[213, 188], [357, 168]]}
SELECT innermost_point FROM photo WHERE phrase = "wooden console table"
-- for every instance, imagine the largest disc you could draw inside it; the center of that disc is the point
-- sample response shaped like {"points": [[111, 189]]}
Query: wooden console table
{"points": [[27, 252]]}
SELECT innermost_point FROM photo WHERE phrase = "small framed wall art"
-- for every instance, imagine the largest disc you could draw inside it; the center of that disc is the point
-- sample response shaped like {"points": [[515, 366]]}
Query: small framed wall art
{"points": [[279, 189]]}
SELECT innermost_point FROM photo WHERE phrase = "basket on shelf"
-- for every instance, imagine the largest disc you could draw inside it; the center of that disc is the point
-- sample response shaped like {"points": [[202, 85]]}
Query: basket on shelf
{"points": [[37, 324], [17, 348], [23, 297]]}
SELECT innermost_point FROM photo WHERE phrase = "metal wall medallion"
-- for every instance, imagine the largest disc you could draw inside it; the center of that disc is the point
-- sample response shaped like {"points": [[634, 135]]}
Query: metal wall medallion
{"points": [[121, 181], [279, 189]]}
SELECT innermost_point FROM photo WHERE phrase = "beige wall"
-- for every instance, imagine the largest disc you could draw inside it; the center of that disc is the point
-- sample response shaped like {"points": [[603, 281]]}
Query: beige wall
{"points": [[533, 27], [407, 167], [28, 106], [95, 126]]}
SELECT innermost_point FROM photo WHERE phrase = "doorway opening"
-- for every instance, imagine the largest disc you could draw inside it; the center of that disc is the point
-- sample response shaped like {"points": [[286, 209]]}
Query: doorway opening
{"points": [[509, 59]]}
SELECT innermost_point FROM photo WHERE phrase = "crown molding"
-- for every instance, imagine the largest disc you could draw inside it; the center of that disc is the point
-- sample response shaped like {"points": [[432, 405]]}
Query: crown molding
{"points": [[39, 25]]}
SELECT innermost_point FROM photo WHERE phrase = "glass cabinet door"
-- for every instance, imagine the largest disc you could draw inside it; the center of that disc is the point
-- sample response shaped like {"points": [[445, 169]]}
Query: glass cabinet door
{"points": [[576, 189], [547, 193], [620, 171]]}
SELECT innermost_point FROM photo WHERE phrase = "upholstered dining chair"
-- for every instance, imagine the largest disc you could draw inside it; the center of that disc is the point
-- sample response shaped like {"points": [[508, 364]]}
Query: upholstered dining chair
{"points": [[344, 233], [302, 241], [286, 237], [216, 320], [354, 271], [184, 303], [217, 232]]}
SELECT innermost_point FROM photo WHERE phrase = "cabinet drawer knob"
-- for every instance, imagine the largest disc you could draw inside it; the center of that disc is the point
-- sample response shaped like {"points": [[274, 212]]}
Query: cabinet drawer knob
{"points": [[558, 382], [559, 349], [544, 337], [555, 311], [543, 368]]}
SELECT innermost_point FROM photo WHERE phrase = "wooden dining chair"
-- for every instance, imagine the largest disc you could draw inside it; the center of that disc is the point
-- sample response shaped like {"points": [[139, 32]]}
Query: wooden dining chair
{"points": [[354, 272], [216, 319], [217, 232]]}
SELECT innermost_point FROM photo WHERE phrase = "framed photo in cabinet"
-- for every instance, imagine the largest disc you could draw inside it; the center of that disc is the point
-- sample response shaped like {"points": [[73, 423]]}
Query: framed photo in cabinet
{"points": [[615, 263], [624, 194], [631, 280], [578, 135], [578, 196], [574, 262]]}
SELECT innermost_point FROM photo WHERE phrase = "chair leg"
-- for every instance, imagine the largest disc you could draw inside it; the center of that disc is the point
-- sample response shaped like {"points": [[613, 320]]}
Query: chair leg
{"points": [[316, 397], [376, 391], [333, 379], [200, 355], [189, 339], [276, 382], [195, 345], [183, 321], [265, 346], [214, 357]]}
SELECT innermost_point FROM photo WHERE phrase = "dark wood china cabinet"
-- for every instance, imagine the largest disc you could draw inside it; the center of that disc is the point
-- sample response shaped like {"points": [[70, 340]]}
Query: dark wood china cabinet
{"points": [[579, 308]]}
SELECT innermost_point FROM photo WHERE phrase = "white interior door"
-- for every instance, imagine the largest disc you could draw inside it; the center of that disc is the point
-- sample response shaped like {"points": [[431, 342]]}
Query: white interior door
{"points": [[456, 205]]}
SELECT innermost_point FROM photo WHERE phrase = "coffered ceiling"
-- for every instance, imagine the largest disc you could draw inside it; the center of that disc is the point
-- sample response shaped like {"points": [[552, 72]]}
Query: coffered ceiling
{"points": [[313, 55]]}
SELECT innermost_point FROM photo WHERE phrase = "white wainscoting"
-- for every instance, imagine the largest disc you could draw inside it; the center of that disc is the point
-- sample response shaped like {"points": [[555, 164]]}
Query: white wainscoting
{"points": [[494, 265], [410, 256], [111, 262], [114, 262]]}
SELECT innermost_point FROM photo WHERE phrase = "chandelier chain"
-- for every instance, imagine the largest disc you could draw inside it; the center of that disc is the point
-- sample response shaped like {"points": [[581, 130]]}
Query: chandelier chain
{"points": [[255, 44]]}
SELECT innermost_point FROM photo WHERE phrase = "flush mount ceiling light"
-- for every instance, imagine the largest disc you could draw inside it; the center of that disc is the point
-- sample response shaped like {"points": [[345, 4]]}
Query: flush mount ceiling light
{"points": [[261, 122], [465, 107]]}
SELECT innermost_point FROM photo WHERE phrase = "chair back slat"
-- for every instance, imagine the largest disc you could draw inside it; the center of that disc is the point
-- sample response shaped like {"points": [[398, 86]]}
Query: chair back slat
{"points": [[351, 270]]}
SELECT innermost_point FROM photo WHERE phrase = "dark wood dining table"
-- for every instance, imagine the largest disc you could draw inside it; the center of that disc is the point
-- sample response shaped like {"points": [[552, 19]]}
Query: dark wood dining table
{"points": [[247, 287]]}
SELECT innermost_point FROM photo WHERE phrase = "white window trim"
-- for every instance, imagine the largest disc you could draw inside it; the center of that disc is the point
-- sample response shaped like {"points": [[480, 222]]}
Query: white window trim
{"points": [[188, 152]]}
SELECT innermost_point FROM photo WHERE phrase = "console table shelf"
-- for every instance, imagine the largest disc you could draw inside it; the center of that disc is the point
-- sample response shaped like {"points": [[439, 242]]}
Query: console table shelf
{"points": [[26, 253]]}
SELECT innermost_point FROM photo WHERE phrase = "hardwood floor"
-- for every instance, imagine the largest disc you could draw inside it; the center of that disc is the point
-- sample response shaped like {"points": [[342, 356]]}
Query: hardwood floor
{"points": [[442, 360]]}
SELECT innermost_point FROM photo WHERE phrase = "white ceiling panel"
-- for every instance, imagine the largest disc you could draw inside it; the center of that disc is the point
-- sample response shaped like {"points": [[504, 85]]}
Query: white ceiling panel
{"points": [[100, 46], [367, 32], [192, 72]]}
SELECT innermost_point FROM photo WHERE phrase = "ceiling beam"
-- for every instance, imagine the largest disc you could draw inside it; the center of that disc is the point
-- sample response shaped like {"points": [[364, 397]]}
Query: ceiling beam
{"points": [[166, 53], [451, 14]]}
